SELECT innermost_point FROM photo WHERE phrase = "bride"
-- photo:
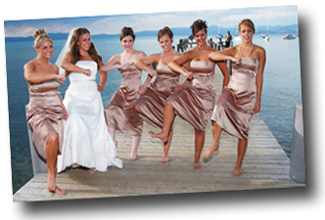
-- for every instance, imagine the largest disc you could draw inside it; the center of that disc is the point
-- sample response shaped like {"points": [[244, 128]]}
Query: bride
{"points": [[86, 142]]}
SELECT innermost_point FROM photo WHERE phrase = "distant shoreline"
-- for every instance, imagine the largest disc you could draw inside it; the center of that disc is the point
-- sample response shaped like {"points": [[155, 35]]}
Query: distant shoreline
{"points": [[212, 30]]}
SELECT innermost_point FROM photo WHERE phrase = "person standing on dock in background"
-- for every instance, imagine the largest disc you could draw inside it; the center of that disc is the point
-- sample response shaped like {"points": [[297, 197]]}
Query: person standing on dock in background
{"points": [[120, 113], [194, 103], [46, 112], [228, 39], [242, 97], [152, 100], [86, 142]]}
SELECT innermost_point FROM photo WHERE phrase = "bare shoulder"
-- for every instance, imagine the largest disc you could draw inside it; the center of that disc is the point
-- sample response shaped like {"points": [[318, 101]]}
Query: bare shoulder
{"points": [[140, 54], [55, 68], [260, 52], [29, 65]]}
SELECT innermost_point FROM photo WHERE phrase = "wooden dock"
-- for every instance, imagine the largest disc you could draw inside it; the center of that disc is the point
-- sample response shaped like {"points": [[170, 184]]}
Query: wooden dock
{"points": [[265, 166]]}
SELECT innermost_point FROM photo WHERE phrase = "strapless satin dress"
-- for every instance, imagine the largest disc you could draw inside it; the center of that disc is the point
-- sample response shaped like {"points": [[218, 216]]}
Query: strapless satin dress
{"points": [[86, 139], [45, 114], [120, 113], [195, 102], [234, 108], [152, 102]]}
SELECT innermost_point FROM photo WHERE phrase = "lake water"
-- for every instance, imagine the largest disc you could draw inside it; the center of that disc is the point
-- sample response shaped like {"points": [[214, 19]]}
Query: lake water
{"points": [[281, 90]]}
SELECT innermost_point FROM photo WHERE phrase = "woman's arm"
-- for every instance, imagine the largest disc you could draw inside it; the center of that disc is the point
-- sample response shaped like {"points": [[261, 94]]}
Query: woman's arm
{"points": [[259, 78], [227, 54], [103, 78], [67, 65], [178, 63], [144, 63], [112, 63], [31, 76], [225, 72]]}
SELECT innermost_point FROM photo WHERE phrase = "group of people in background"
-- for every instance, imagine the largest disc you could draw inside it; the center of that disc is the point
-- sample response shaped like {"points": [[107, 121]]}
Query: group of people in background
{"points": [[79, 131]]}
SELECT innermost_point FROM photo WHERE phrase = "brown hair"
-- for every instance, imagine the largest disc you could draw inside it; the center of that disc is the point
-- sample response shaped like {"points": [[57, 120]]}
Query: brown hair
{"points": [[248, 23], [74, 48], [39, 36], [163, 31], [199, 25], [126, 31]]}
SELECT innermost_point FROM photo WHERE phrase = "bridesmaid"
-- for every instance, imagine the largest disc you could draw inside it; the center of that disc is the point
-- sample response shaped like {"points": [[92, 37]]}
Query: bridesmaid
{"points": [[194, 103], [46, 113], [120, 113], [242, 97], [152, 101]]}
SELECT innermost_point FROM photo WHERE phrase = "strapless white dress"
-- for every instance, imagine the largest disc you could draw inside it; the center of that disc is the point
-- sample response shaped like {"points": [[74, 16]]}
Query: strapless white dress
{"points": [[86, 141]]}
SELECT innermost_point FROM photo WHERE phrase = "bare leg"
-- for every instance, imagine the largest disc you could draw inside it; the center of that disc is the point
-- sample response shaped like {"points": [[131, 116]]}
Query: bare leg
{"points": [[199, 143], [169, 116], [207, 154], [242, 146], [51, 162], [164, 158], [134, 150], [111, 131]]}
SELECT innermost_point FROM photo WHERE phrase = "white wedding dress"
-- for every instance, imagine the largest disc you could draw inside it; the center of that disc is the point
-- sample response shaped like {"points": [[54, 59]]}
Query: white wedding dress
{"points": [[86, 141]]}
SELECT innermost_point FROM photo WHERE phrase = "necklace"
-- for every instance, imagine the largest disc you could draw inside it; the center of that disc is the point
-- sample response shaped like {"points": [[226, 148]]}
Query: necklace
{"points": [[240, 50]]}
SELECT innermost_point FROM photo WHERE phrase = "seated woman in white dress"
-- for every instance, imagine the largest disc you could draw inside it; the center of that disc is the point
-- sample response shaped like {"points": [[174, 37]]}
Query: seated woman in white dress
{"points": [[87, 142]]}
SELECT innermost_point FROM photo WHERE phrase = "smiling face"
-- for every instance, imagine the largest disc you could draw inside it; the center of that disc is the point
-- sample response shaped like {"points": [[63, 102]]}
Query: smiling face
{"points": [[165, 42], [84, 42], [127, 42], [246, 33], [45, 49], [200, 37]]}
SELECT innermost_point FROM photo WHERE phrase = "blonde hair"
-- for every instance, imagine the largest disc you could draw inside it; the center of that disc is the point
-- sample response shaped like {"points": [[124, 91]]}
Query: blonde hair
{"points": [[39, 36], [249, 23]]}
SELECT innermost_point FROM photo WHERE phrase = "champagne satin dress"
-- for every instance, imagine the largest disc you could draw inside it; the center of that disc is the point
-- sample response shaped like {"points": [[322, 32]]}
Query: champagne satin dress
{"points": [[120, 113], [234, 108], [195, 102], [45, 114], [152, 102]]}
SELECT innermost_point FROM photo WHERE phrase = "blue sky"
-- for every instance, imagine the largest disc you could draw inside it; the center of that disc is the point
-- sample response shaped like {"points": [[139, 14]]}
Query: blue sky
{"points": [[275, 15]]}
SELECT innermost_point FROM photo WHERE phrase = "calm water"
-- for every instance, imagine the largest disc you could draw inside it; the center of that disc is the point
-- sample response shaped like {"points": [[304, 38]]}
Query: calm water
{"points": [[281, 90]]}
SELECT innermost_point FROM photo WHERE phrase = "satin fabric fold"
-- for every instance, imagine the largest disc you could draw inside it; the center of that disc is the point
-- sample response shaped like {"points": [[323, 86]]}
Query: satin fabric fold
{"points": [[45, 114], [153, 100], [234, 108], [120, 113], [195, 102]]}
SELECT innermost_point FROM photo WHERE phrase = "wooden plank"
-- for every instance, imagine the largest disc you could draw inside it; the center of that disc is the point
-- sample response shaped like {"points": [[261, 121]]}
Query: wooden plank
{"points": [[265, 166]]}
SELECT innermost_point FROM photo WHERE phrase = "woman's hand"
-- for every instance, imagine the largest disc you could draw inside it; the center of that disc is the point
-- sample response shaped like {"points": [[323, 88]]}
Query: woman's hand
{"points": [[60, 78], [122, 67], [257, 107], [142, 89], [87, 72], [100, 88], [66, 115], [236, 60], [189, 75]]}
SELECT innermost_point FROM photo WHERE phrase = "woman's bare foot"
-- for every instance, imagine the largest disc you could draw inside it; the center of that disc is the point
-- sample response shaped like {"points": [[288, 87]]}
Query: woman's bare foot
{"points": [[164, 159], [56, 190], [237, 171], [161, 136], [197, 165], [210, 152], [132, 158], [52, 188]]}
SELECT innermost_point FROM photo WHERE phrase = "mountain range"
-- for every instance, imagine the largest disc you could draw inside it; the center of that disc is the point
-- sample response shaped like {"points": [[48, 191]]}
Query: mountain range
{"points": [[212, 31]]}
